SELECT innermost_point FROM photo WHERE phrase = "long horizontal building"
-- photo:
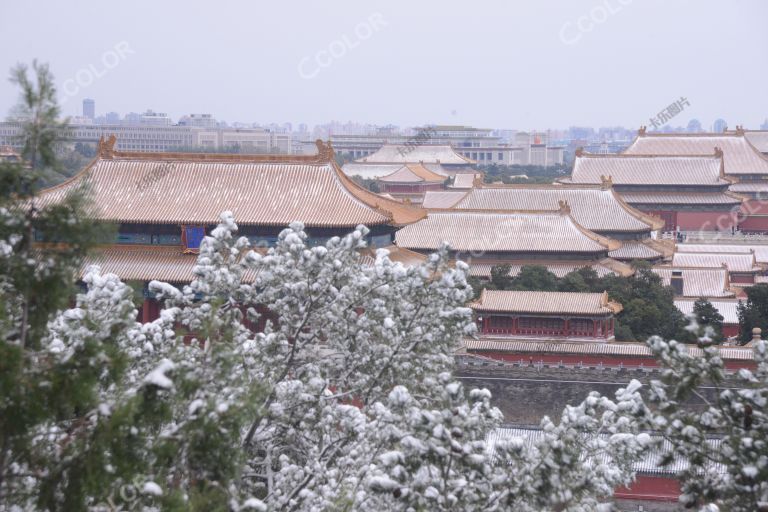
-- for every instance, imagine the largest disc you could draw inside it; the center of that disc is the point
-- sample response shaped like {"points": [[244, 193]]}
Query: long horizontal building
{"points": [[598, 208], [156, 138], [690, 193], [758, 139], [742, 268], [548, 315], [505, 235], [164, 203], [760, 250], [477, 144], [742, 162], [441, 159], [517, 238], [696, 282]]}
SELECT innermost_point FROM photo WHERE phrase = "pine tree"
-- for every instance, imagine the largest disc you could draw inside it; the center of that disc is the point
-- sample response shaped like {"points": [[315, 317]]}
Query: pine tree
{"points": [[36, 281], [721, 446], [707, 315]]}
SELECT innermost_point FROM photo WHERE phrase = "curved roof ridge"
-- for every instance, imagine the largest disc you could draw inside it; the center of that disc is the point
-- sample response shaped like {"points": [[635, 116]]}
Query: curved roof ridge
{"points": [[655, 223], [608, 243], [399, 213]]}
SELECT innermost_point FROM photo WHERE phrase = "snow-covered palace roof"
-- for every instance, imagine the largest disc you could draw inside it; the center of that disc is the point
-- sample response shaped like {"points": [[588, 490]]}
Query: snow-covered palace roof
{"points": [[498, 231], [597, 208], [732, 262], [424, 153], [194, 188], [635, 169], [560, 268], [739, 155], [699, 282], [413, 173], [567, 303], [649, 464]]}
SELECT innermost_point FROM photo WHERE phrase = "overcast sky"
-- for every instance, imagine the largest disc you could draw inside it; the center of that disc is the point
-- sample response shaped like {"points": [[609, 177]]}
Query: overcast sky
{"points": [[495, 64]]}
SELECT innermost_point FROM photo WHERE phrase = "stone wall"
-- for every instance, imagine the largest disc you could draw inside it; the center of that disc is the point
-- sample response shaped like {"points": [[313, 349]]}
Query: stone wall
{"points": [[527, 393]]}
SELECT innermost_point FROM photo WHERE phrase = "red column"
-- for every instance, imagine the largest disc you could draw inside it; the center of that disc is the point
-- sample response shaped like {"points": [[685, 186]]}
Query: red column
{"points": [[566, 327], [594, 328], [145, 311]]}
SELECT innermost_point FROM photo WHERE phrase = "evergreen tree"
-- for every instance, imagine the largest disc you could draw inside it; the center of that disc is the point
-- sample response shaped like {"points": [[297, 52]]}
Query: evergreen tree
{"points": [[707, 315], [500, 278], [535, 277], [754, 312], [38, 388], [723, 444]]}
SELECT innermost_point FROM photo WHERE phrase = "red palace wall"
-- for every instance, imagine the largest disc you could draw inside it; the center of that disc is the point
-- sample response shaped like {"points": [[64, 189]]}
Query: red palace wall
{"points": [[589, 359], [706, 221], [652, 488], [695, 221], [410, 189], [730, 330], [742, 278], [754, 216]]}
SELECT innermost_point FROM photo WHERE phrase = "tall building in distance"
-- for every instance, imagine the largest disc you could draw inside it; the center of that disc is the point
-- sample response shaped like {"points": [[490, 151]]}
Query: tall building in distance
{"points": [[720, 126], [694, 126], [89, 108]]}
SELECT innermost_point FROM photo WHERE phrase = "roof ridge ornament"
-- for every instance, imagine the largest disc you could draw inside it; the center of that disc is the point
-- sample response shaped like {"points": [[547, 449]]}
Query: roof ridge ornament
{"points": [[739, 129], [325, 151], [107, 147], [579, 151], [565, 209], [606, 182], [641, 130], [718, 152]]}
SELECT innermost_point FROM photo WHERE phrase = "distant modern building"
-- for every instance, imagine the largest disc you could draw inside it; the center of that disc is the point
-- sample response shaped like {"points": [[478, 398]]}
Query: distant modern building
{"points": [[155, 118], [476, 144], [89, 108], [719, 126], [160, 136], [694, 126], [441, 159], [199, 120]]}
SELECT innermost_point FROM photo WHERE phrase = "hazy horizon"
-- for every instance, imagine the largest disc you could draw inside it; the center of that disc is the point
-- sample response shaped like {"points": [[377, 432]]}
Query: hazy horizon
{"points": [[520, 65]]}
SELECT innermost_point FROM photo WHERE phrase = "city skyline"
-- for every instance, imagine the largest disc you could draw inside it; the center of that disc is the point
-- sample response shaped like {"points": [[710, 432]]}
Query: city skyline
{"points": [[107, 117], [609, 63]]}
